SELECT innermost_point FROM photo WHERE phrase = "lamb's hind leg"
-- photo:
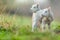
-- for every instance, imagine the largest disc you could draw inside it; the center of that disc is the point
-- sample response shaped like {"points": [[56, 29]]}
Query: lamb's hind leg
{"points": [[49, 28], [43, 25]]}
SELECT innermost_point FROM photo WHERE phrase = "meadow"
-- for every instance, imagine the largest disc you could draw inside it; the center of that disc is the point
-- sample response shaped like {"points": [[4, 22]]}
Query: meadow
{"points": [[14, 27]]}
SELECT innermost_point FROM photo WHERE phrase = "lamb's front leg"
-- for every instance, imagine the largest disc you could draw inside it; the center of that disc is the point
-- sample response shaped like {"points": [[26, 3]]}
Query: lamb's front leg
{"points": [[43, 25], [34, 22], [34, 25]]}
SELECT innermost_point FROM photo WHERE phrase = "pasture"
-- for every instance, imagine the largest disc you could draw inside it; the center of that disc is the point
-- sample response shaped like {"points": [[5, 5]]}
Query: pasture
{"points": [[14, 27]]}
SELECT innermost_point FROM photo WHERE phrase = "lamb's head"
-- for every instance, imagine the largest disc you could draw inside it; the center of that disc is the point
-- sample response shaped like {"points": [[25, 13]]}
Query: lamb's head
{"points": [[46, 12], [35, 7]]}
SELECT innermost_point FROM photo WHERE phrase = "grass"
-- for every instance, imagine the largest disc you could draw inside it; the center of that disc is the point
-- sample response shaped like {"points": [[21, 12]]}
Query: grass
{"points": [[19, 28]]}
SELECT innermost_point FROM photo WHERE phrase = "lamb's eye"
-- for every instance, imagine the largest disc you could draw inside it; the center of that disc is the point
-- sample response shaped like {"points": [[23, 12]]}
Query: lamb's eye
{"points": [[45, 11], [34, 7]]}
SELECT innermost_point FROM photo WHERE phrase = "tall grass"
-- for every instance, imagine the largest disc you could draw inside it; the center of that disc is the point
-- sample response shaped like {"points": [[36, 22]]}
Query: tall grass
{"points": [[13, 27]]}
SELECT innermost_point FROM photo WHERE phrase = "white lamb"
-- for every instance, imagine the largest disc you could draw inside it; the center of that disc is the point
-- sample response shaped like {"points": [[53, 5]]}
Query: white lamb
{"points": [[45, 16]]}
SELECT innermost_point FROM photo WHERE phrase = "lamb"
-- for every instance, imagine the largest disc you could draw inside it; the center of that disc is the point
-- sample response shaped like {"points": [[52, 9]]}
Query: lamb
{"points": [[44, 15]]}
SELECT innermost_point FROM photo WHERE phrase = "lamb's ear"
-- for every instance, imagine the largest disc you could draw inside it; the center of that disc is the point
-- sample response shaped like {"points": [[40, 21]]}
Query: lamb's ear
{"points": [[49, 8], [37, 5]]}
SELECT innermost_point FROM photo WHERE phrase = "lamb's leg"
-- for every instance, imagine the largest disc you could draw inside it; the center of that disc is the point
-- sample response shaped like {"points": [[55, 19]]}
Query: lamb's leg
{"points": [[38, 24], [34, 25], [49, 27], [43, 25], [35, 19]]}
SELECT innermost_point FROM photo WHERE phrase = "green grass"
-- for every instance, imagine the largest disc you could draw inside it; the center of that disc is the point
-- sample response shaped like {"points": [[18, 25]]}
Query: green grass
{"points": [[19, 28]]}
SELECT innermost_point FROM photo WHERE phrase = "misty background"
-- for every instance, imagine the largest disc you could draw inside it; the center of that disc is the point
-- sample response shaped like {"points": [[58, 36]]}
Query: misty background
{"points": [[22, 7]]}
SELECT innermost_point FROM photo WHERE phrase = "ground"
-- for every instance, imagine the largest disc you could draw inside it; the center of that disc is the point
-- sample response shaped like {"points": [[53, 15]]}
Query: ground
{"points": [[13, 27]]}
